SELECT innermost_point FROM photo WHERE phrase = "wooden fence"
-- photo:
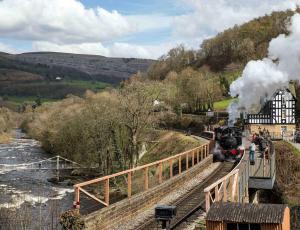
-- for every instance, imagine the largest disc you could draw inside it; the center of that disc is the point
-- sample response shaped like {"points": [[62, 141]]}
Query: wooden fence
{"points": [[233, 187], [264, 166], [225, 189], [287, 136], [183, 160]]}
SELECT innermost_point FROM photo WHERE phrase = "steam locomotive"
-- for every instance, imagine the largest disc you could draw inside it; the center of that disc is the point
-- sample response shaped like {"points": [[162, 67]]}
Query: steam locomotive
{"points": [[228, 144]]}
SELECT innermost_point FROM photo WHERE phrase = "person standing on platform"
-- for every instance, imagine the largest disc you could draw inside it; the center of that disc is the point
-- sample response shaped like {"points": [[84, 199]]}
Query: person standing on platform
{"points": [[252, 153]]}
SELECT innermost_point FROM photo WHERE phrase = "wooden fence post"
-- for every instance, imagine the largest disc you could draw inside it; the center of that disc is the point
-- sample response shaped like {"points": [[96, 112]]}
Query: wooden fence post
{"points": [[129, 184], [160, 169], [146, 181], [77, 197], [230, 188], [171, 168], [208, 149], [207, 201], [193, 158], [187, 161], [179, 165], [217, 195], [225, 190], [106, 192]]}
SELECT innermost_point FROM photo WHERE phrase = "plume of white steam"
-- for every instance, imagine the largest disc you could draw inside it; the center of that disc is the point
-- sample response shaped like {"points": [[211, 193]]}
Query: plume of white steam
{"points": [[232, 110], [262, 78]]}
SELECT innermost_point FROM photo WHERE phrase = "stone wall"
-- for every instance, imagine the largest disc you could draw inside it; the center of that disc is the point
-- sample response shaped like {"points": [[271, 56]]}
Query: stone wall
{"points": [[113, 216], [254, 128]]}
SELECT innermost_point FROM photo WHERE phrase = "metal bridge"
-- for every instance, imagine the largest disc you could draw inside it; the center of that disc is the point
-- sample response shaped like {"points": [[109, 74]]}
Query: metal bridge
{"points": [[52, 163], [56, 163]]}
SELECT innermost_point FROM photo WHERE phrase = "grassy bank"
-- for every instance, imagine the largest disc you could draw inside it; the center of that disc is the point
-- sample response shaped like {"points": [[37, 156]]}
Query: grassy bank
{"points": [[5, 138], [168, 143], [288, 172], [222, 105]]}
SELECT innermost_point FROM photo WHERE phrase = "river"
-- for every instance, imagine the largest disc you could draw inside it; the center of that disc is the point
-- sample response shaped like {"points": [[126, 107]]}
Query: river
{"points": [[29, 191]]}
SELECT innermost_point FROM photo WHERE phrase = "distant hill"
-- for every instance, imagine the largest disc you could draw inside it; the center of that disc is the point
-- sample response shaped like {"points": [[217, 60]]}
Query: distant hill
{"points": [[245, 42], [75, 66], [54, 75], [228, 51]]}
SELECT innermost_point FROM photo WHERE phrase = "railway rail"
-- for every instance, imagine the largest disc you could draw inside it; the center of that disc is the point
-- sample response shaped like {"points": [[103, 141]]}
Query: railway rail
{"points": [[193, 202]]}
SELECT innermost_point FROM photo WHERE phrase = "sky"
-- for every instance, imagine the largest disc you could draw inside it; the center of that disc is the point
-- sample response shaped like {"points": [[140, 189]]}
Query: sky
{"points": [[122, 28]]}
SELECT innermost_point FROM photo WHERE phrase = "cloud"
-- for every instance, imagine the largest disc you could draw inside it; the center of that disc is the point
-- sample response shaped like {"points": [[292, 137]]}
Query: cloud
{"points": [[7, 49], [117, 49], [69, 26], [140, 51], [62, 22], [82, 48], [208, 17]]}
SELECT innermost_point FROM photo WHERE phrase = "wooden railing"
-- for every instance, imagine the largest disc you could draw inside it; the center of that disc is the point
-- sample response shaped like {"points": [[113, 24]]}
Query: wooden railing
{"points": [[184, 160], [264, 166], [233, 187], [288, 136], [225, 189]]}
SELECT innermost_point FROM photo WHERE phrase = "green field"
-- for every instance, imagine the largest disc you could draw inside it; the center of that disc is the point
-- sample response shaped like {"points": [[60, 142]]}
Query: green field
{"points": [[93, 85], [28, 93], [222, 105], [29, 100]]}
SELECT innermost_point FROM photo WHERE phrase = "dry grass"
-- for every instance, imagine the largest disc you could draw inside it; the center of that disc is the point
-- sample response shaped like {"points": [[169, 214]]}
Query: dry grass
{"points": [[168, 143], [288, 172], [5, 138]]}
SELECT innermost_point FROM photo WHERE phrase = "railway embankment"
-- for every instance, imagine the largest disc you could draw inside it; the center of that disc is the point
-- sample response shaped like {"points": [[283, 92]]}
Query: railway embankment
{"points": [[288, 179]]}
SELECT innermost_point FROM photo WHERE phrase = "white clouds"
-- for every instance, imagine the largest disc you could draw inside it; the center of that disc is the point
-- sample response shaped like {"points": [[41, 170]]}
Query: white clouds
{"points": [[69, 26], [211, 16], [117, 49], [58, 21], [145, 51], [82, 48], [7, 49]]}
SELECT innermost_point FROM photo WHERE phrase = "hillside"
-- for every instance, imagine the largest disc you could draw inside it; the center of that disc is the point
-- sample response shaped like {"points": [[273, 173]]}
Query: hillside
{"points": [[83, 67], [228, 51], [36, 74]]}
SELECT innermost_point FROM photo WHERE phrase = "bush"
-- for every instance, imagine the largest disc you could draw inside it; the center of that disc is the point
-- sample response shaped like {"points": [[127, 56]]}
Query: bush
{"points": [[71, 220]]}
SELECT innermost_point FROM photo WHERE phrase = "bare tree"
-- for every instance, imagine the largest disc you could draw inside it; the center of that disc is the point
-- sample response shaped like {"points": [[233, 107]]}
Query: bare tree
{"points": [[136, 106]]}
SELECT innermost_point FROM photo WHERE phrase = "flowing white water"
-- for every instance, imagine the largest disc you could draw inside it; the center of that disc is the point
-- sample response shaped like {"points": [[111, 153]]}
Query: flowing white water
{"points": [[30, 188]]}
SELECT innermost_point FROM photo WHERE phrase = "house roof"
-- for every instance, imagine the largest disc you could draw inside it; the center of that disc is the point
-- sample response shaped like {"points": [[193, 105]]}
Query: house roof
{"points": [[246, 213]]}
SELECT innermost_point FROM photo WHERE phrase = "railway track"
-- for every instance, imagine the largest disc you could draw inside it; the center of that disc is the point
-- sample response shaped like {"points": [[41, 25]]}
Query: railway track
{"points": [[190, 205]]}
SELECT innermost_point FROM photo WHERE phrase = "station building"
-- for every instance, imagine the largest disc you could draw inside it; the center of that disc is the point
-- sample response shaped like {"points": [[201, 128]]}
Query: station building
{"points": [[277, 115]]}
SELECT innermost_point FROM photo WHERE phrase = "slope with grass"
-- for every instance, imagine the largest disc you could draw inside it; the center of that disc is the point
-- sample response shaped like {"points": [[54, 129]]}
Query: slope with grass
{"points": [[168, 143], [52, 75], [223, 104], [288, 172]]}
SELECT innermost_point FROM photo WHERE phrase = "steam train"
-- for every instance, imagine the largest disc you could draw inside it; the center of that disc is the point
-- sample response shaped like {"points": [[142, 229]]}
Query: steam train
{"points": [[228, 144]]}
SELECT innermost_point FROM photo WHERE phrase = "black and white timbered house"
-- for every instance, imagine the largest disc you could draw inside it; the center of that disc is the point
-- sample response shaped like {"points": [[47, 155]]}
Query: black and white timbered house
{"points": [[280, 109]]}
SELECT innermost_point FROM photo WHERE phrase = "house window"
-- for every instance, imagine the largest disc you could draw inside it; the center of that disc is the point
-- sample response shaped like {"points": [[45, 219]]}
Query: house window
{"points": [[239, 226], [283, 114]]}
